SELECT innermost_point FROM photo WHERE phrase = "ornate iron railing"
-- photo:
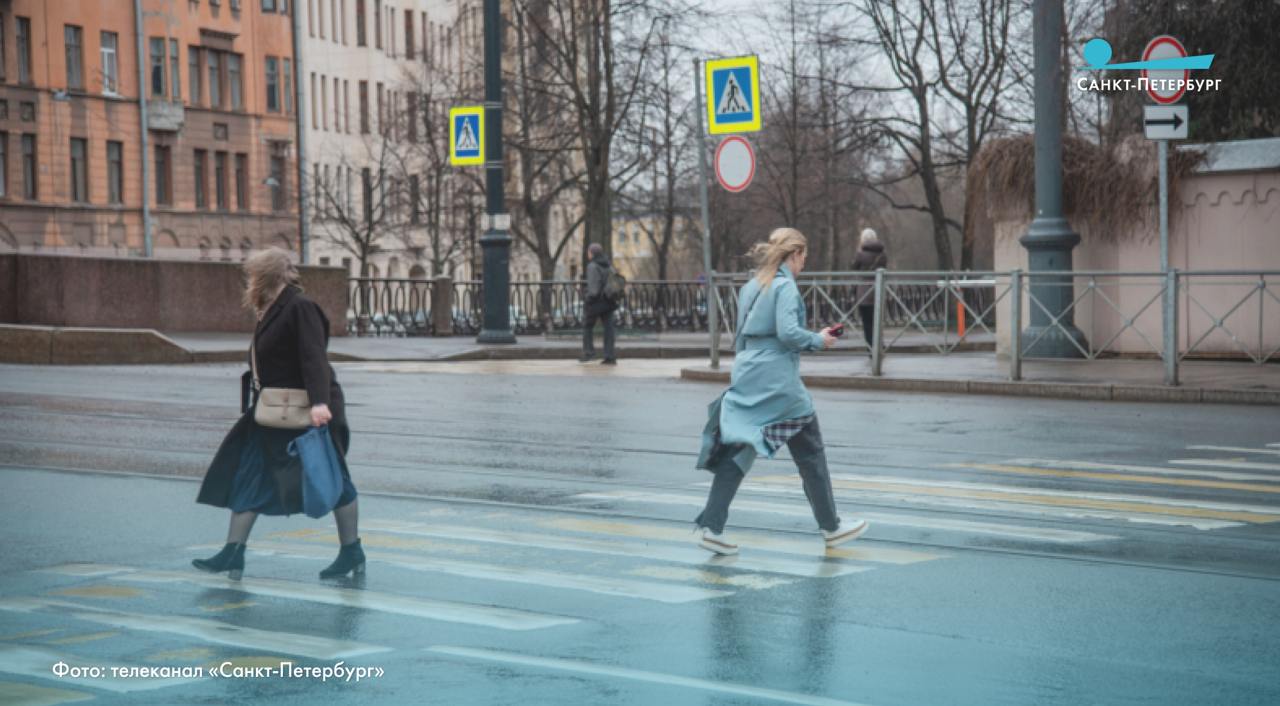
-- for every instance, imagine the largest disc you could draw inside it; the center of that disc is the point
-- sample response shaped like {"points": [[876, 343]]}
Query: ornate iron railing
{"points": [[544, 307], [389, 307]]}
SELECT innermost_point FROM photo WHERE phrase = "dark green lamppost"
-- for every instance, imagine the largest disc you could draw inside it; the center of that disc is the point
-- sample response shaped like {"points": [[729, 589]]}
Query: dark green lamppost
{"points": [[496, 241], [1050, 239]]}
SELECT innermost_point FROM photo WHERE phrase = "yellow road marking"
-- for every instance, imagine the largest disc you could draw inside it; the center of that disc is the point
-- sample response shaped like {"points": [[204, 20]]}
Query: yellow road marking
{"points": [[1035, 498], [228, 606], [1186, 482], [77, 639], [186, 654], [99, 592], [18, 694], [756, 540], [28, 634]]}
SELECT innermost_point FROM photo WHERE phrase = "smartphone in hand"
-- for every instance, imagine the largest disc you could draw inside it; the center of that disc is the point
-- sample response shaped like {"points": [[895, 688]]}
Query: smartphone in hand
{"points": [[837, 330]]}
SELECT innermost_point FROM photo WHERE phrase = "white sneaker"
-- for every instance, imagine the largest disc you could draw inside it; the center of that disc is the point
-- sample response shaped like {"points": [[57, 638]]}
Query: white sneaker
{"points": [[715, 542], [845, 532]]}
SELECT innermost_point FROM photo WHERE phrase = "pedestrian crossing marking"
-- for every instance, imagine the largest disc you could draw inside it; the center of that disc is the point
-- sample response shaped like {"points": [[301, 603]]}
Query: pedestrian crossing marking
{"points": [[321, 648], [626, 588], [35, 662], [79, 639], [27, 635], [384, 542], [678, 573], [818, 568], [224, 607], [99, 591], [447, 611], [753, 540], [603, 670], [183, 654], [1259, 514], [1222, 463], [14, 693], [1013, 531], [1152, 470], [1235, 449], [1153, 480]]}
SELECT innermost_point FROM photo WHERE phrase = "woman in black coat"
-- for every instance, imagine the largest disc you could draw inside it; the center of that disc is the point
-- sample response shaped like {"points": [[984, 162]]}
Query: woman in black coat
{"points": [[253, 473], [870, 257]]}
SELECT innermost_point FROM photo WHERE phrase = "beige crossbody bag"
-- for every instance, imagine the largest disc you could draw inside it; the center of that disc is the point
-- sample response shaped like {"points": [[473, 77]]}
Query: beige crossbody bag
{"points": [[279, 407]]}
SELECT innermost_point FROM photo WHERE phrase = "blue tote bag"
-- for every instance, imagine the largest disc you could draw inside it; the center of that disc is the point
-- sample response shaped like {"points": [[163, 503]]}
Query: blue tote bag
{"points": [[321, 471]]}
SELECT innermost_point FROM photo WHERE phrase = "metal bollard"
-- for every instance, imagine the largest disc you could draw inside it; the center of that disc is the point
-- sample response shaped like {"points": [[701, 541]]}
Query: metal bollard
{"points": [[1170, 306], [1015, 328], [877, 329]]}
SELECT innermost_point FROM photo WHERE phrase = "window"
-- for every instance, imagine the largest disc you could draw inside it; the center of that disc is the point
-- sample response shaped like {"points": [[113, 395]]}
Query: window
{"points": [[425, 57], [213, 62], [201, 175], [335, 18], [346, 106], [193, 74], [268, 5], [277, 182], [288, 87], [110, 62], [220, 179], [273, 85], [242, 181], [157, 67], [366, 192], [364, 107], [29, 168], [175, 77], [382, 110], [73, 37], [2, 50], [415, 193], [320, 16], [324, 102], [24, 50], [315, 124], [4, 164], [361, 39], [337, 105], [115, 172], [164, 176], [377, 27], [317, 189], [311, 18], [411, 111], [408, 34], [235, 81]]}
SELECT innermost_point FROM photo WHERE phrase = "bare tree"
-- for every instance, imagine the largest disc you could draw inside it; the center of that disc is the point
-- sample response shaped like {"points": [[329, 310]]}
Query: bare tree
{"points": [[357, 209]]}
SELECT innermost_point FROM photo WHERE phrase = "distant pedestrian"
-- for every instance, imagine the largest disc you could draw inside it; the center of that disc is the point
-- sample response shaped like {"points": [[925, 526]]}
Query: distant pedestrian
{"points": [[766, 405], [870, 257], [252, 472], [598, 307]]}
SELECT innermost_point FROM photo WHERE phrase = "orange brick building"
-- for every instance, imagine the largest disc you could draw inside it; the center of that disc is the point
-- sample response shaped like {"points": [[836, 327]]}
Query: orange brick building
{"points": [[220, 155]]}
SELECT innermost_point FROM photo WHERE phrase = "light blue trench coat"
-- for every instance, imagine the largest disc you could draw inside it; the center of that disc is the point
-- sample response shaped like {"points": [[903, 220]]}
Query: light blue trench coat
{"points": [[765, 387]]}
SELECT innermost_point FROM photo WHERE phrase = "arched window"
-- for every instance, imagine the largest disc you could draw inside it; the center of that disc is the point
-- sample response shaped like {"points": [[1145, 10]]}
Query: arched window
{"points": [[417, 272]]}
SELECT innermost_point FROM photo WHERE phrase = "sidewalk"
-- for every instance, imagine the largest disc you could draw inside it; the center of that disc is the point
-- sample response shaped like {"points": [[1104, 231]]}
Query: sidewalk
{"points": [[1228, 382]]}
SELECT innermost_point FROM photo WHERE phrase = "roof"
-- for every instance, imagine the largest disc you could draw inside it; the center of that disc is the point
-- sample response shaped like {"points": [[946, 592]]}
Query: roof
{"points": [[1239, 155]]}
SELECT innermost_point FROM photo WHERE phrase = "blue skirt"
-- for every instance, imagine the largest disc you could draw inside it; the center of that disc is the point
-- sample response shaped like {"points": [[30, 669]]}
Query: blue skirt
{"points": [[264, 457]]}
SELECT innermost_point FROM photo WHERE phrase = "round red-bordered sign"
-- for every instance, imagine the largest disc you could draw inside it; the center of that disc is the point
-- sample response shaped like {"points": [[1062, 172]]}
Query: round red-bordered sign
{"points": [[1165, 47], [735, 163]]}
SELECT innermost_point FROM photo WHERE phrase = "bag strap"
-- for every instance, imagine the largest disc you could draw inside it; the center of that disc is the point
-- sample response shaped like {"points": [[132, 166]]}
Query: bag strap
{"points": [[253, 362]]}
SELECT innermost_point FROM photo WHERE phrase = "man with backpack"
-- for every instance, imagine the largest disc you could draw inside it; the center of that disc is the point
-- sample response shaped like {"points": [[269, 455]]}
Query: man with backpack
{"points": [[605, 288]]}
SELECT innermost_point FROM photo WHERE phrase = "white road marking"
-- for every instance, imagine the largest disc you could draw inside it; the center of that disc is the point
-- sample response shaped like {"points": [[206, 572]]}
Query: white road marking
{"points": [[1235, 449], [321, 648], [37, 663], [1042, 534], [1226, 463], [600, 670], [1048, 464], [446, 611], [819, 567], [627, 588]]}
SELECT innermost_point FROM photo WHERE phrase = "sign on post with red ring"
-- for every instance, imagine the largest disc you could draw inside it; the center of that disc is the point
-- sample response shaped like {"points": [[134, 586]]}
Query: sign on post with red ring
{"points": [[735, 163], [1165, 47]]}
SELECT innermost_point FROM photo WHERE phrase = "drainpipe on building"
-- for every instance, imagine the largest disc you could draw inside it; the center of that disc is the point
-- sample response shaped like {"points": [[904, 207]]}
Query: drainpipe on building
{"points": [[143, 123], [300, 112]]}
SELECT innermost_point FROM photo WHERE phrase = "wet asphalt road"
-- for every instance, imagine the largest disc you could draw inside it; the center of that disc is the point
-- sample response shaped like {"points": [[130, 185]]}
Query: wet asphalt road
{"points": [[528, 529]]}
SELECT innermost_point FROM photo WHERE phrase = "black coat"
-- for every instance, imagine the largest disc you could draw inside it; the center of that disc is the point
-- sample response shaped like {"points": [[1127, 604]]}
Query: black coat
{"points": [[291, 340], [870, 257]]}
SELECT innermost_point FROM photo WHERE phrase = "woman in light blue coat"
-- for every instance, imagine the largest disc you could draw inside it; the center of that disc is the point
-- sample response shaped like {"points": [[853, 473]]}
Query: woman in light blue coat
{"points": [[766, 405]]}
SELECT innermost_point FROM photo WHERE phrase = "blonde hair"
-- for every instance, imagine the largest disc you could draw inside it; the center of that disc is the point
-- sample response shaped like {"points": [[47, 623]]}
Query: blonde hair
{"points": [[769, 256], [868, 236], [266, 271]]}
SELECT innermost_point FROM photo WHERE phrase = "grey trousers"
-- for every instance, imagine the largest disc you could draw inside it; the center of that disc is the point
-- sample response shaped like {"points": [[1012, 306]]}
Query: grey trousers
{"points": [[810, 457], [588, 334]]}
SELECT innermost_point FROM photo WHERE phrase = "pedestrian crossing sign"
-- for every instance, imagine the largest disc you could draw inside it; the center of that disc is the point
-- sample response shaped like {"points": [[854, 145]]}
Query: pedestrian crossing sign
{"points": [[733, 95], [466, 136]]}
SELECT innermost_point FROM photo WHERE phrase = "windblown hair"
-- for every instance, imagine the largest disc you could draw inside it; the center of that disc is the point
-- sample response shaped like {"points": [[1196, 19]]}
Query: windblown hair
{"points": [[266, 272], [769, 256]]}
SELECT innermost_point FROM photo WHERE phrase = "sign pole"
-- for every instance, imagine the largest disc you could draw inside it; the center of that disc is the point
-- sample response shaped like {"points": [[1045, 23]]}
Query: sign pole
{"points": [[713, 304], [1162, 155]]}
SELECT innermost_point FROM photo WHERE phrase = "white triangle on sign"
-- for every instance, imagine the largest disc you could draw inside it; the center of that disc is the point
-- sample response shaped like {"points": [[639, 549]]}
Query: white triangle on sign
{"points": [[467, 140], [732, 100]]}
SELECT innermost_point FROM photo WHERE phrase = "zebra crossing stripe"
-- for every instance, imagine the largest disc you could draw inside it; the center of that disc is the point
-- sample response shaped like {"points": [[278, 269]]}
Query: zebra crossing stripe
{"points": [[627, 588], [446, 611], [1150, 470], [215, 631], [1225, 463], [1236, 449], [1124, 478]]}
